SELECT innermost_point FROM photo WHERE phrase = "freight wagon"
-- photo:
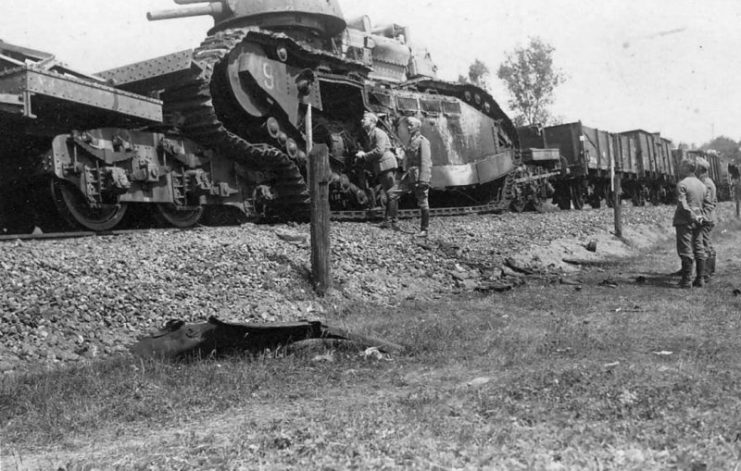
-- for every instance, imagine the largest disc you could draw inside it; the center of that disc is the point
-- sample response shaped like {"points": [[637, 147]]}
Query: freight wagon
{"points": [[721, 173], [589, 156]]}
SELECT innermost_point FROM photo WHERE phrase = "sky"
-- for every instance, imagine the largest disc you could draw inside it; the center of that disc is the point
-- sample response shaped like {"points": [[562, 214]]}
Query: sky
{"points": [[669, 66]]}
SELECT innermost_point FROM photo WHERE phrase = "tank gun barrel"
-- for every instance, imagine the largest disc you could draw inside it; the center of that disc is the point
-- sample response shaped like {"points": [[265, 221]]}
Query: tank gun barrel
{"points": [[215, 9], [190, 2]]}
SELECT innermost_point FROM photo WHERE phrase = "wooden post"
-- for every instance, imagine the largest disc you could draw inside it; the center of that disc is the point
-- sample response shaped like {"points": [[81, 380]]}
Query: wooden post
{"points": [[616, 204], [616, 186], [319, 177], [309, 129], [318, 182]]}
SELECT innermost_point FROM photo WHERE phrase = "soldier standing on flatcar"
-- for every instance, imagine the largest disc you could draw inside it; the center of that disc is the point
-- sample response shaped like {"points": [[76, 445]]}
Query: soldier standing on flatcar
{"points": [[418, 166], [377, 152], [708, 214], [691, 197]]}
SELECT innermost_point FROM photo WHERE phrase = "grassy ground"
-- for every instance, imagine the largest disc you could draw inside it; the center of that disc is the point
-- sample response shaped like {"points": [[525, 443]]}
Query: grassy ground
{"points": [[620, 375]]}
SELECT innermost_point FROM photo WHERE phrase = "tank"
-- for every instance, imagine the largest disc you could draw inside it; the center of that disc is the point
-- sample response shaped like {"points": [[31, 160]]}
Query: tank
{"points": [[265, 62]]}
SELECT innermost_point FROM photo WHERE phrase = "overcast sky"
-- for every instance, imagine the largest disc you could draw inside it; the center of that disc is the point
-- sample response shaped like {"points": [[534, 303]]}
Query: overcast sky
{"points": [[662, 65]]}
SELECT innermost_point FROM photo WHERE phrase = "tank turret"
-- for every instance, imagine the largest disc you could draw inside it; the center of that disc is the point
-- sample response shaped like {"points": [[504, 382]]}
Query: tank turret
{"points": [[322, 17]]}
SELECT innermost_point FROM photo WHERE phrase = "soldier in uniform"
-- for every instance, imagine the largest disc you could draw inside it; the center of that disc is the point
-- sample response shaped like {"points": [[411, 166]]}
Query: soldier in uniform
{"points": [[418, 165], [708, 214], [691, 196], [377, 152]]}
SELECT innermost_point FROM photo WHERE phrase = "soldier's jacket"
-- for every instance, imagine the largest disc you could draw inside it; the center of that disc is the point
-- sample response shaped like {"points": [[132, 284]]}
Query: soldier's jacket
{"points": [[419, 159], [708, 210], [692, 196], [377, 146]]}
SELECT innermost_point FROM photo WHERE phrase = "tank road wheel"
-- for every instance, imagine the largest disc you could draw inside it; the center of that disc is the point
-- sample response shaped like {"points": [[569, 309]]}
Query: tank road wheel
{"points": [[536, 204], [76, 211], [518, 205], [182, 218]]}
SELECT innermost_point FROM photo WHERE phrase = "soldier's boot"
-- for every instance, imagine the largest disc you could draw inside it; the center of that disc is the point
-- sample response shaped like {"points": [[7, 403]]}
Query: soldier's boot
{"points": [[686, 281], [425, 223], [710, 267], [393, 214], [700, 276]]}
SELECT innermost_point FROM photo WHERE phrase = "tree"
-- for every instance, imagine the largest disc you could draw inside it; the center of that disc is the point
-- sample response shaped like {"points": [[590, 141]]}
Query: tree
{"points": [[531, 79], [478, 74], [725, 146]]}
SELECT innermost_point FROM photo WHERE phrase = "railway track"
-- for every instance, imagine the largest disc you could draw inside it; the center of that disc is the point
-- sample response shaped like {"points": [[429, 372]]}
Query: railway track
{"points": [[345, 216]]}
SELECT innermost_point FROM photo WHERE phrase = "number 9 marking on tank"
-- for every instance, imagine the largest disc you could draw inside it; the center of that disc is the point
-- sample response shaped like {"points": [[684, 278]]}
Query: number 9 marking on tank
{"points": [[267, 71]]}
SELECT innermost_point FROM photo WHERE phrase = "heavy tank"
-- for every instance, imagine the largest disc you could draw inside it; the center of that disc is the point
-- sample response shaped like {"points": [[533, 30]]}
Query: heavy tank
{"points": [[265, 62], [230, 128]]}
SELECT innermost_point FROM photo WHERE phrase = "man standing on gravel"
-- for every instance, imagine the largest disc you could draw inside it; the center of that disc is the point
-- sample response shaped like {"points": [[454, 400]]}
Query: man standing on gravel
{"points": [[691, 197], [377, 151], [708, 214], [418, 165]]}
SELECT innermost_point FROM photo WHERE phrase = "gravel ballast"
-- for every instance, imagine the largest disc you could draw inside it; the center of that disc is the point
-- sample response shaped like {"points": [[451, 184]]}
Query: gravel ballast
{"points": [[73, 300]]}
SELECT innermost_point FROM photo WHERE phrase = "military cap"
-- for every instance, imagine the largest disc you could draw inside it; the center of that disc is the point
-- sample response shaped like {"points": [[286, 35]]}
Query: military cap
{"points": [[413, 122], [372, 116], [689, 164]]}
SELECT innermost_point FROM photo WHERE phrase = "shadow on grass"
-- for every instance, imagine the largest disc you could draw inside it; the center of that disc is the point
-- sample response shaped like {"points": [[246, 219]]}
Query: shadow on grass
{"points": [[658, 280]]}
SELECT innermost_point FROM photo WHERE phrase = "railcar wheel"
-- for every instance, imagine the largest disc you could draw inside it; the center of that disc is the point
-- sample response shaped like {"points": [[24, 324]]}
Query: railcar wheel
{"points": [[76, 211], [181, 218], [578, 199], [563, 198], [609, 201]]}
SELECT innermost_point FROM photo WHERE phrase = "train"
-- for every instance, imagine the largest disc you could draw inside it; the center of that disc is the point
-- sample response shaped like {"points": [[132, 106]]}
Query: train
{"points": [[646, 163], [220, 133]]}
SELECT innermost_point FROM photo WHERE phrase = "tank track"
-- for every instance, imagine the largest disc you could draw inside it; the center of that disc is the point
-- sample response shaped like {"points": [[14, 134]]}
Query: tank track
{"points": [[195, 106], [212, 119]]}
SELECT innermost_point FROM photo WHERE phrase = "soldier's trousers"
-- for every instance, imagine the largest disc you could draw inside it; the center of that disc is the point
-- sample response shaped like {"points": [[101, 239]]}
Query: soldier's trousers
{"points": [[408, 184], [690, 241], [707, 229], [387, 179]]}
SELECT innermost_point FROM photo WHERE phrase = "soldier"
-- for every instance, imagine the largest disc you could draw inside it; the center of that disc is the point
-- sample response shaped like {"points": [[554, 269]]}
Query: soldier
{"points": [[377, 152], [691, 196], [708, 214], [418, 164]]}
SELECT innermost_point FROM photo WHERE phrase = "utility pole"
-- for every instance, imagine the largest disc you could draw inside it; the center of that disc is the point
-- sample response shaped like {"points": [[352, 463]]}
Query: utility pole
{"points": [[318, 176]]}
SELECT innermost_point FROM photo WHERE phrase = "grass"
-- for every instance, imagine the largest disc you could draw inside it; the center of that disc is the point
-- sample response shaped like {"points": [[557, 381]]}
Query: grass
{"points": [[543, 377]]}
